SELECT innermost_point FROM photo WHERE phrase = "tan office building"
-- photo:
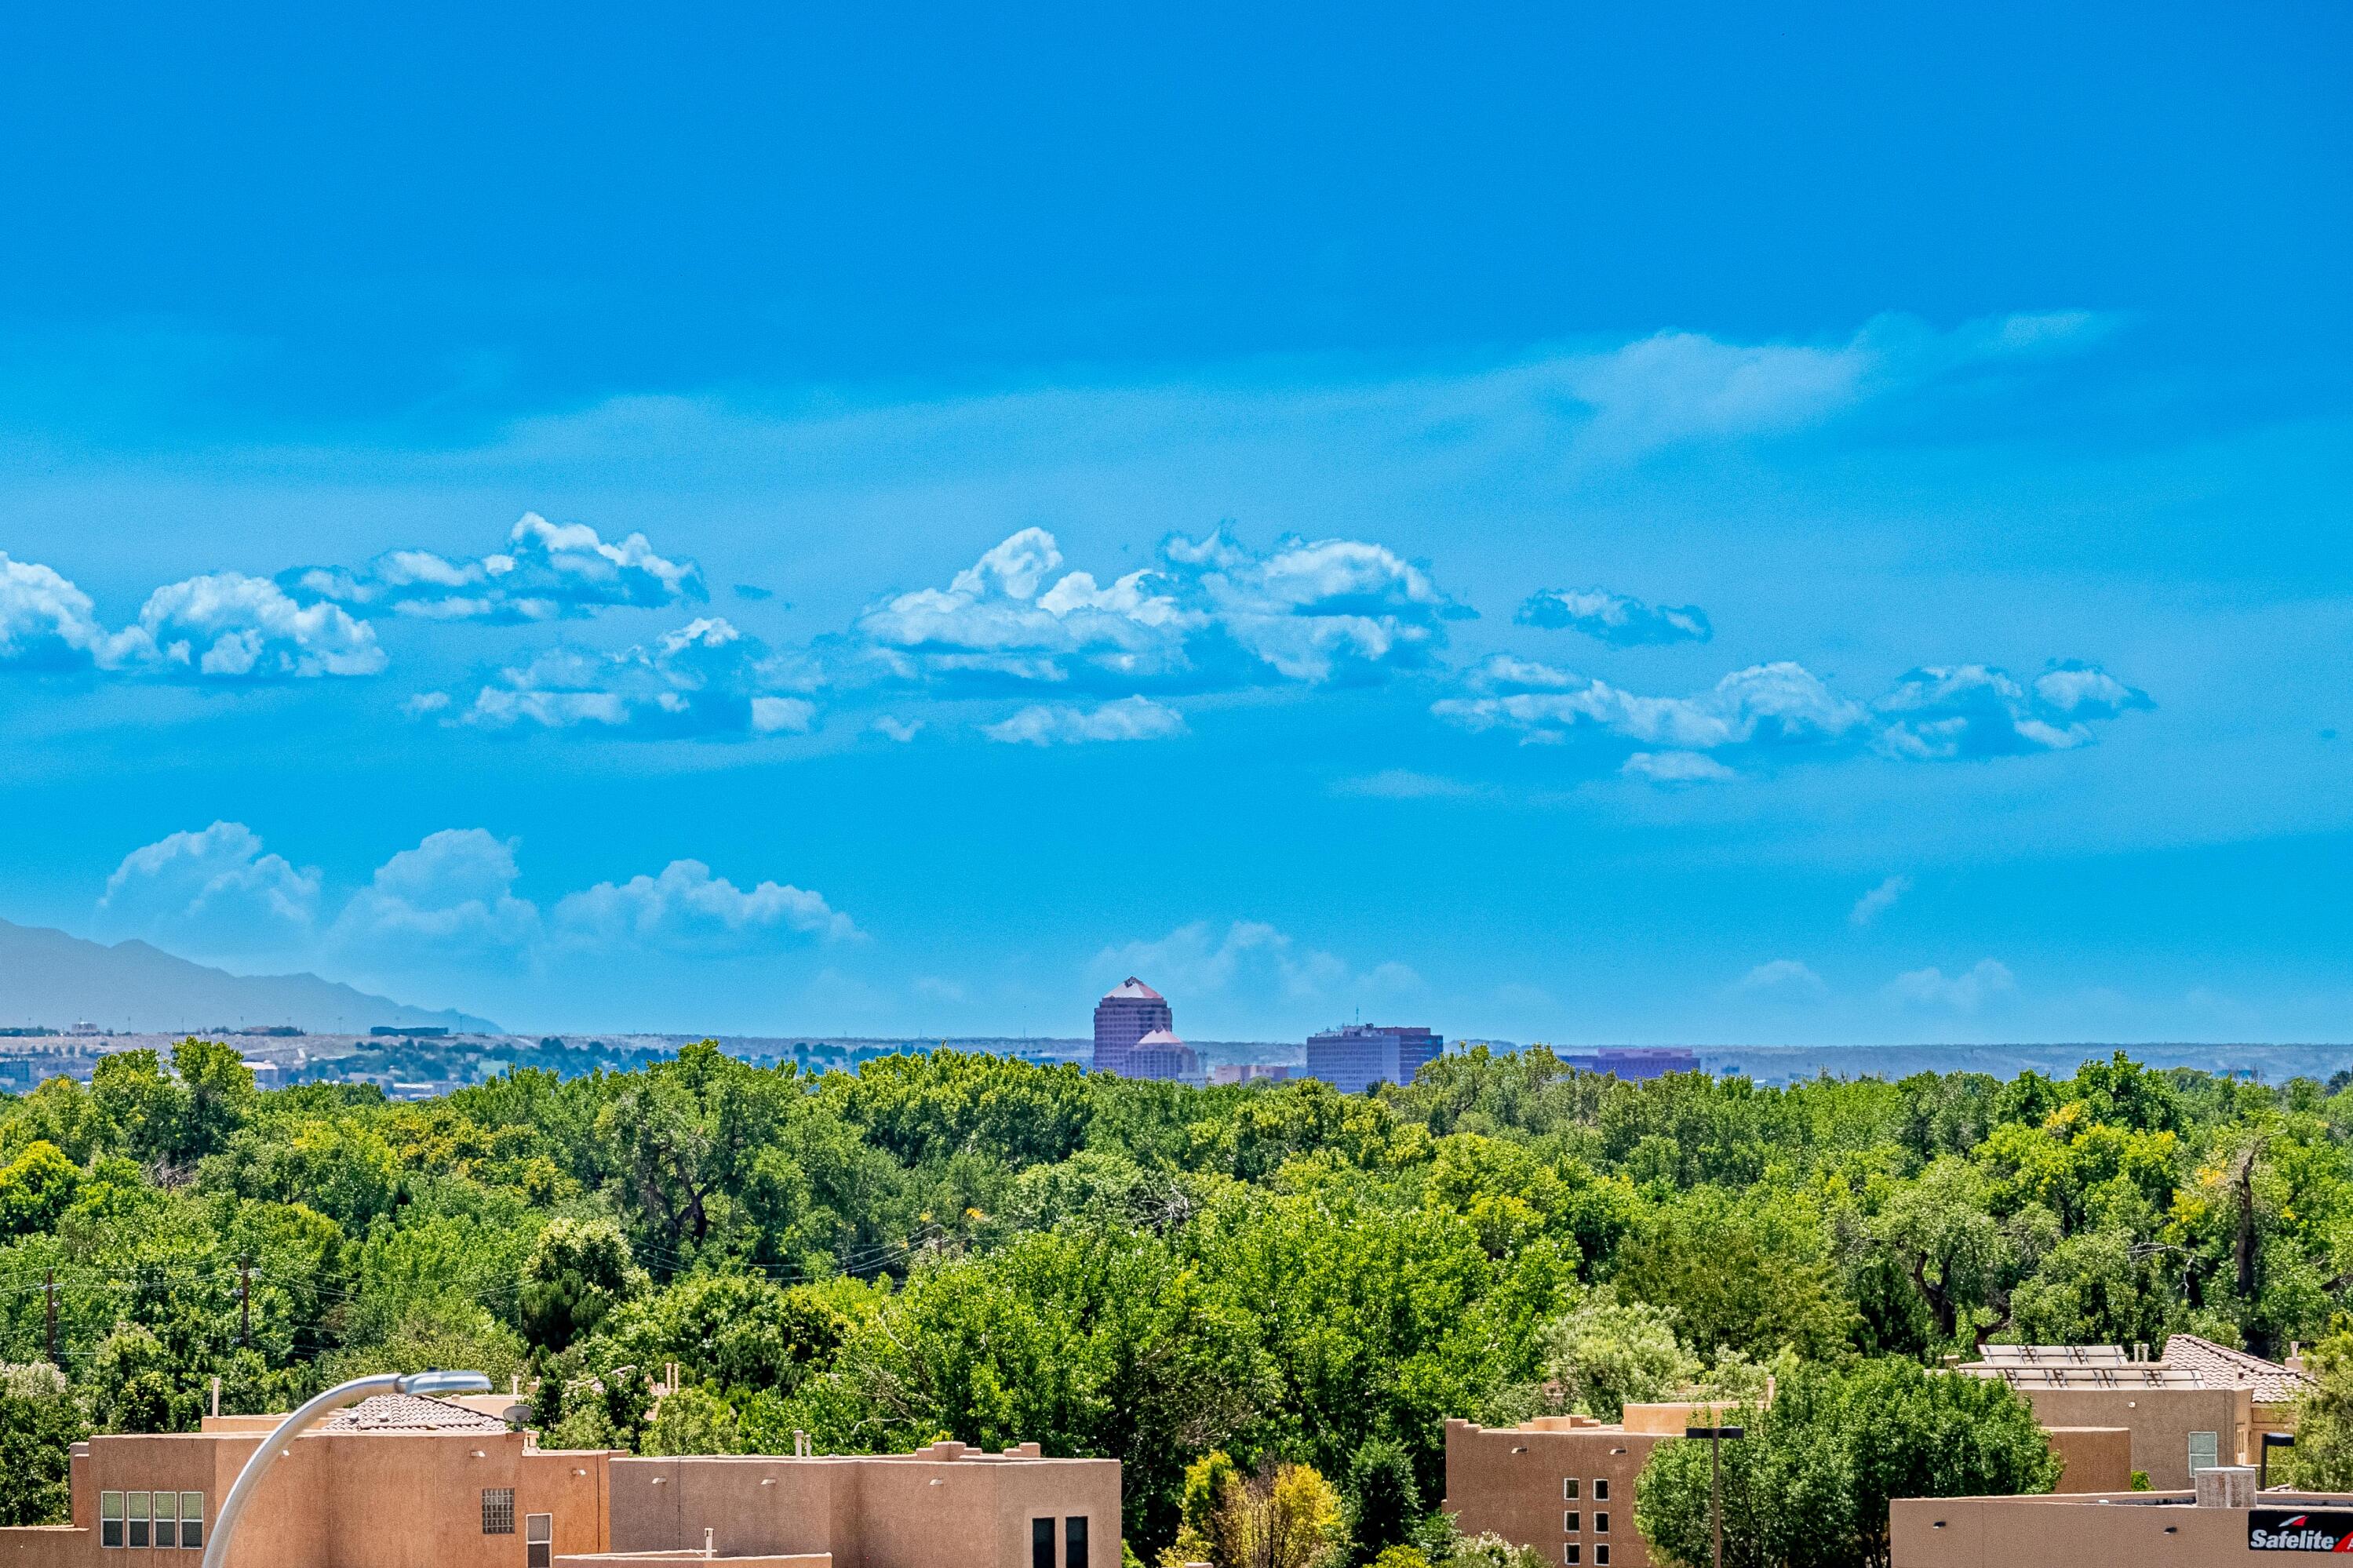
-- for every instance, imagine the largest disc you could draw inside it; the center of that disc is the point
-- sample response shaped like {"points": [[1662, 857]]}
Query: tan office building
{"points": [[2225, 1520], [2201, 1405], [1562, 1486], [403, 1482]]}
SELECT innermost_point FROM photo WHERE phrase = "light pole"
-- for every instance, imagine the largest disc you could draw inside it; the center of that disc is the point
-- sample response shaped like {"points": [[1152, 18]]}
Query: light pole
{"points": [[1715, 1436], [273, 1446]]}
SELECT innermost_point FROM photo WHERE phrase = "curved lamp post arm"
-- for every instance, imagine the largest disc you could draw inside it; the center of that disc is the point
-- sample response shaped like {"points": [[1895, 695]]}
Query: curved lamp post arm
{"points": [[272, 1447]]}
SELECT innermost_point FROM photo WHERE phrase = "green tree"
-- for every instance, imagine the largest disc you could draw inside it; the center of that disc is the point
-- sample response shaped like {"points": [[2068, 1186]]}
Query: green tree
{"points": [[1606, 1352], [38, 1427], [136, 1385], [36, 1187], [1287, 1516], [578, 1271], [1808, 1484], [1384, 1503], [691, 1421], [2322, 1459]]}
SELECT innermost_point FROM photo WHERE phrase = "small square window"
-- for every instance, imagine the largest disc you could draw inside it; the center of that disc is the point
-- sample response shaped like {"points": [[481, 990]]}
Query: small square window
{"points": [[192, 1522], [1569, 1490], [142, 1522], [1571, 1523], [1601, 1488], [1600, 1524], [1572, 1554], [110, 1519], [1601, 1556], [498, 1511]]}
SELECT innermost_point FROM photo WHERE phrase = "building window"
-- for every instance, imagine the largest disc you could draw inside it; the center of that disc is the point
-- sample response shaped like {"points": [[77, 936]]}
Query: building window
{"points": [[138, 1503], [192, 1522], [1600, 1524], [498, 1511], [1571, 1523], [1074, 1542], [2204, 1448], [1601, 1488], [538, 1539], [1601, 1556], [167, 1520], [1572, 1554], [1569, 1490], [1041, 1543], [110, 1519]]}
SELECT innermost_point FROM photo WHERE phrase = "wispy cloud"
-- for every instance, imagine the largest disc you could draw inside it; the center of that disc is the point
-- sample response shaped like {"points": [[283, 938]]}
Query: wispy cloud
{"points": [[1931, 715], [1879, 901], [1059, 724], [1784, 980], [1931, 989], [1614, 618], [704, 681]]}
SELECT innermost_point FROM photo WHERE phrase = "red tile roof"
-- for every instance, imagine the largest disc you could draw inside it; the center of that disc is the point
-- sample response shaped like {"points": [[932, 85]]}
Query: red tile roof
{"points": [[2219, 1366], [408, 1413]]}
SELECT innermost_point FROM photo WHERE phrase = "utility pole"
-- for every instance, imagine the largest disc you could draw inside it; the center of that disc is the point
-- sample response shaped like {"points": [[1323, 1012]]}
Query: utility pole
{"points": [[245, 1301], [50, 1290], [1715, 1436]]}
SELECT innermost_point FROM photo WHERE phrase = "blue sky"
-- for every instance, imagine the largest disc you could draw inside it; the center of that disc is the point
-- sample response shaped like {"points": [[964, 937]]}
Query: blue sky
{"points": [[1820, 525]]}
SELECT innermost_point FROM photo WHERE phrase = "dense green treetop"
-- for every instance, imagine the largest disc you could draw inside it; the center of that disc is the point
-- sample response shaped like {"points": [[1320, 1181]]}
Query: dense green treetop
{"points": [[972, 1246]]}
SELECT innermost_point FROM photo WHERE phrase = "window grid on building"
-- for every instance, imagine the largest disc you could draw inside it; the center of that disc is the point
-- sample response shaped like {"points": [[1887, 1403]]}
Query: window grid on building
{"points": [[498, 1511]]}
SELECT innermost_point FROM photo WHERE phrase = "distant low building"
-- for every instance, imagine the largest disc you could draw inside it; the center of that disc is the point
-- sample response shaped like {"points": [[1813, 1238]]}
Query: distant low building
{"points": [[1128, 1012], [1635, 1064], [1355, 1057], [1250, 1072]]}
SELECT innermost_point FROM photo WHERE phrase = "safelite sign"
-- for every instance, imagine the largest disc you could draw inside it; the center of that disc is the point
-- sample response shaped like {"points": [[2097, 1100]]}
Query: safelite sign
{"points": [[2277, 1530]]}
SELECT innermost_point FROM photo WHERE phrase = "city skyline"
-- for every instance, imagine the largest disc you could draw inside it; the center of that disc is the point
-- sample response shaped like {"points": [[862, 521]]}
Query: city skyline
{"points": [[1833, 533]]}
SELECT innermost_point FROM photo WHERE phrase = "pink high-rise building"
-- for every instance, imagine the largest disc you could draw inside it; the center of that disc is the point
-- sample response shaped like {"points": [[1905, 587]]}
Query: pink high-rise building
{"points": [[1127, 1013]]}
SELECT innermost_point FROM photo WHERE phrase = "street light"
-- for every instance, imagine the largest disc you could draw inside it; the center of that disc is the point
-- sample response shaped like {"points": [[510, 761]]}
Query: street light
{"points": [[2263, 1463], [1715, 1436], [419, 1382]]}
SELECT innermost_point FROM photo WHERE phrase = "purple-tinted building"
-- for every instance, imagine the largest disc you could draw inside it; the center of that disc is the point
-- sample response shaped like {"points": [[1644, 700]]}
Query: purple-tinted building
{"points": [[1161, 1055], [1355, 1057], [1636, 1064], [1127, 1013]]}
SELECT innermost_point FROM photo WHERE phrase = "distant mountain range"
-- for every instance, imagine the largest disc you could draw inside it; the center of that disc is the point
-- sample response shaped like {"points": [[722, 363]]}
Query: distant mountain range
{"points": [[48, 978]]}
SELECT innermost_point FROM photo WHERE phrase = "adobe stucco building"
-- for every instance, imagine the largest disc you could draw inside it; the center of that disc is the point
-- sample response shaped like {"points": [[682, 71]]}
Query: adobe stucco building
{"points": [[403, 1482]]}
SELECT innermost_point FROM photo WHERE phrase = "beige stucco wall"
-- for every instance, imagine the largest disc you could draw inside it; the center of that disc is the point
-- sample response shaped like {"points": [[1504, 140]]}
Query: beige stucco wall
{"points": [[2070, 1533], [2096, 1459], [871, 1511], [1508, 1481], [337, 1500], [2159, 1419]]}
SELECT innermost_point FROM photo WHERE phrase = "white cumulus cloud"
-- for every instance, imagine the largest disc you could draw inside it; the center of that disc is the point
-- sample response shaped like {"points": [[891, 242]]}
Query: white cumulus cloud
{"points": [[688, 910], [213, 893], [46, 623], [548, 571], [453, 893]]}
